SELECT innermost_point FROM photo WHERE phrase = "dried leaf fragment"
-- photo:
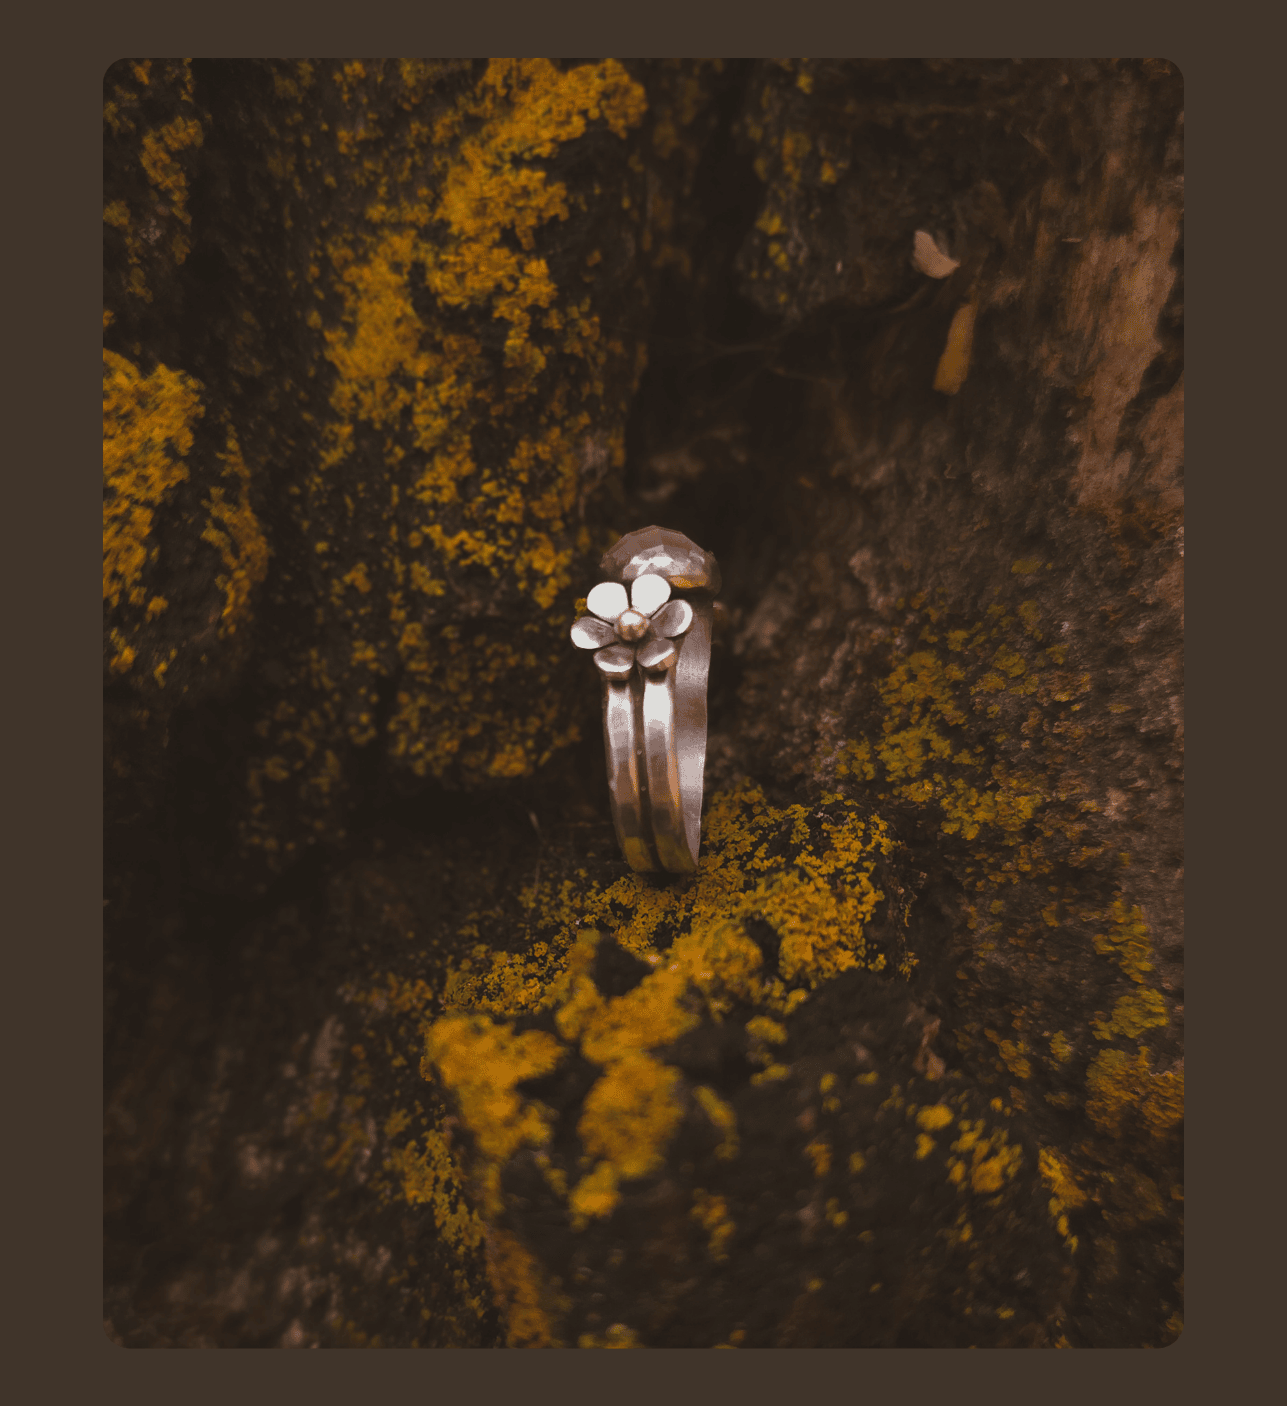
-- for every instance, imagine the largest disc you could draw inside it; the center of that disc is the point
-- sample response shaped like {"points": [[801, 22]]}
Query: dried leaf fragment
{"points": [[928, 258], [954, 364]]}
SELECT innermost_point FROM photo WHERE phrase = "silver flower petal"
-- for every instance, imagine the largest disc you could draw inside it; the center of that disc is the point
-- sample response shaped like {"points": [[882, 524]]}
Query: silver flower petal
{"points": [[616, 661], [649, 593], [672, 619], [589, 633], [657, 656], [607, 600]]}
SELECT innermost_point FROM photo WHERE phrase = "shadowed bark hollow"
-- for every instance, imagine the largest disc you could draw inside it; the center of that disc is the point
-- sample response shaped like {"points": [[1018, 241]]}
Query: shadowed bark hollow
{"points": [[399, 1051]]}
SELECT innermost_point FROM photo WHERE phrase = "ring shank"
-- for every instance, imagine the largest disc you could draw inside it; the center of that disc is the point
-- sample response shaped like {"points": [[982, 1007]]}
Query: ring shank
{"points": [[629, 799], [654, 731]]}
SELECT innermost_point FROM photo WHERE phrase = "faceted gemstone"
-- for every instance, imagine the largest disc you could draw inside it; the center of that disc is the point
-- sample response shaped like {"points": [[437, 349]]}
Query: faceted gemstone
{"points": [[660, 551]]}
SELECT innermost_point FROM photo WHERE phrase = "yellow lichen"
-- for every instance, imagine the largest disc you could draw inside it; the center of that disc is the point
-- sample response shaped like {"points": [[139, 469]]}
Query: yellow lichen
{"points": [[1122, 1089], [234, 531], [595, 1195], [820, 903], [616, 1335], [532, 1308], [433, 323], [481, 1063], [631, 1112], [1013, 1055], [986, 1161], [147, 435], [1067, 1194], [711, 1213], [723, 1118], [429, 1176], [938, 1115], [162, 156], [1139, 1010], [489, 204], [1127, 939], [819, 1154]]}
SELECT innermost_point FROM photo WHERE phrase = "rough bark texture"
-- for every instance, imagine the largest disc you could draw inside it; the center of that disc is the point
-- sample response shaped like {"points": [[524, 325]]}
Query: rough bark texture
{"points": [[399, 1052]]}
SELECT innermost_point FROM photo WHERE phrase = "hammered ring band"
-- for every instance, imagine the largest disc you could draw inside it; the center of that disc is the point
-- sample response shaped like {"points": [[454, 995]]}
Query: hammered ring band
{"points": [[652, 648]]}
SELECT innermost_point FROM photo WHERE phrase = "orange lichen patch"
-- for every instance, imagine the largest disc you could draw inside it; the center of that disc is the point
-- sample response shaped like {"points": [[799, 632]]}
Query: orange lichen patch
{"points": [[481, 1063], [1139, 1010], [1058, 1176], [924, 750], [123, 655], [984, 1161], [1127, 939], [390, 365], [711, 1213], [938, 1115], [616, 1335], [939, 747], [449, 714], [821, 902], [822, 899], [428, 1176], [795, 147], [595, 1195], [164, 173], [1067, 1194], [1124, 1093], [234, 531], [608, 1029], [721, 1116], [809, 914], [147, 434], [630, 1114], [462, 389], [150, 115], [819, 1154], [532, 1309], [149, 427], [762, 1033], [1013, 1055]]}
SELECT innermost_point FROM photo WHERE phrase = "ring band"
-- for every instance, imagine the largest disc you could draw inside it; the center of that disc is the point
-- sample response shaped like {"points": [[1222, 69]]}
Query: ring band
{"points": [[653, 650]]}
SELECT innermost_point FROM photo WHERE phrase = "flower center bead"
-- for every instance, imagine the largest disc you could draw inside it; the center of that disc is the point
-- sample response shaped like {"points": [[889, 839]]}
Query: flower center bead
{"points": [[631, 625]]}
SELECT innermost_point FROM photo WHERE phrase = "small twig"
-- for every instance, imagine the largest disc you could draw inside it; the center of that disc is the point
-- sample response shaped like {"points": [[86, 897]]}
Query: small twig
{"points": [[540, 844]]}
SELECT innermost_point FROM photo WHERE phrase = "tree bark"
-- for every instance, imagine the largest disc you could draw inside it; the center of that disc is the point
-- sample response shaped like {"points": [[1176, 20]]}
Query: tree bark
{"points": [[400, 1052]]}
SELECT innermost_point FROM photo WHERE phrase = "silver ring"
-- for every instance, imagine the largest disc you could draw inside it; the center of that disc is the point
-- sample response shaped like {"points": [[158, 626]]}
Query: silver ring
{"points": [[653, 653]]}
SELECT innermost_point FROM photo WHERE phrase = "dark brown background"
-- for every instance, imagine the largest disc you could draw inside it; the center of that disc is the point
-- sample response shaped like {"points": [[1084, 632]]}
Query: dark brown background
{"points": [[1233, 434]]}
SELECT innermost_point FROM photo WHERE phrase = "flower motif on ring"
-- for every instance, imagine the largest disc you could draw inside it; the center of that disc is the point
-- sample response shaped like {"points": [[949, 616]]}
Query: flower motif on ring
{"points": [[641, 629]]}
